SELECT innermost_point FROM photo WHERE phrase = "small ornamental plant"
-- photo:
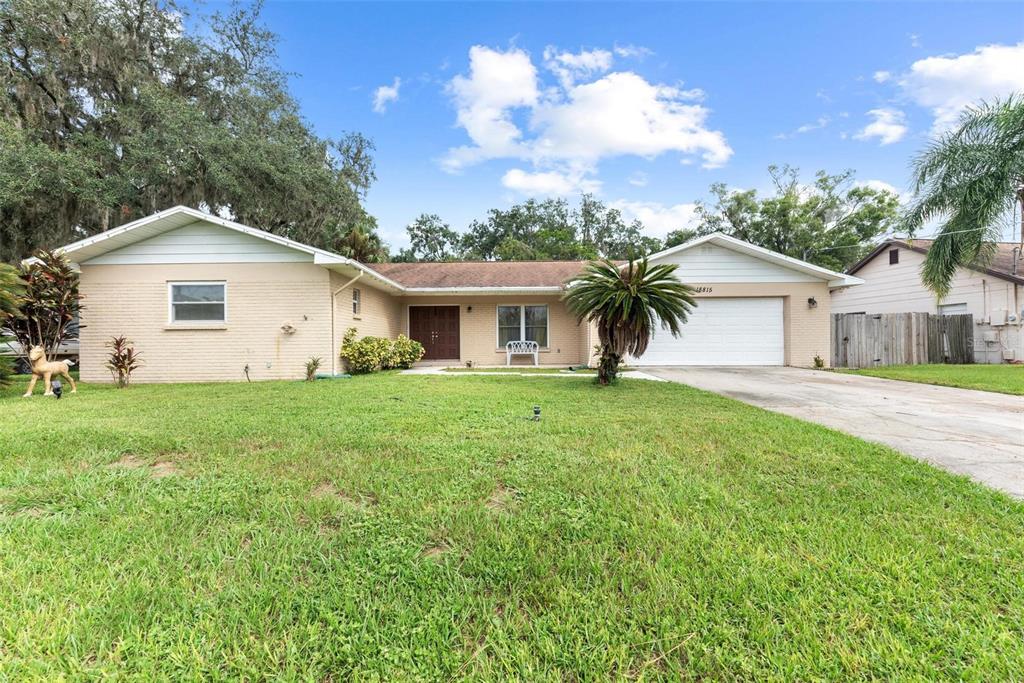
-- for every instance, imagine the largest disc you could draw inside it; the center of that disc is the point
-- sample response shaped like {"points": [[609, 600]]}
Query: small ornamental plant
{"points": [[122, 361], [312, 365]]}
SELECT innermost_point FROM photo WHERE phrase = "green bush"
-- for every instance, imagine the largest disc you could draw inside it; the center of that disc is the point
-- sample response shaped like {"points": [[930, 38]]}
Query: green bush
{"points": [[404, 352], [370, 354]]}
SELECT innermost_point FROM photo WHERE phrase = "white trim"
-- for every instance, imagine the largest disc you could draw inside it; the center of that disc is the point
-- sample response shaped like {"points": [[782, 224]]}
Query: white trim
{"points": [[172, 323], [835, 280], [522, 324]]}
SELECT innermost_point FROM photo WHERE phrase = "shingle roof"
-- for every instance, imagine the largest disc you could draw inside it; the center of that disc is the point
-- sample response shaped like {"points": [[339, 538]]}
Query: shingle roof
{"points": [[481, 273], [1001, 265]]}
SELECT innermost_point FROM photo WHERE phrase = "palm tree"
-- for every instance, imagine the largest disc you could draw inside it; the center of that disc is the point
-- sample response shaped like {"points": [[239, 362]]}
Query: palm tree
{"points": [[972, 176], [627, 303]]}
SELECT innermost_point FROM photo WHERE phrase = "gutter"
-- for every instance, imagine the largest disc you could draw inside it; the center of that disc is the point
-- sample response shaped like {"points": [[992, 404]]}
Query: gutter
{"points": [[334, 296]]}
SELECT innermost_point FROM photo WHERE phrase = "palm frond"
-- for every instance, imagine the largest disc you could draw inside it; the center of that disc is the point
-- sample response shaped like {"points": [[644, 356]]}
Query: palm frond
{"points": [[968, 178]]}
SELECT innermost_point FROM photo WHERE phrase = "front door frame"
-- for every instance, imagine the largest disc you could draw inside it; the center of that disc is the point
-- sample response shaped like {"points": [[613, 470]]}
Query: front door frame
{"points": [[408, 325]]}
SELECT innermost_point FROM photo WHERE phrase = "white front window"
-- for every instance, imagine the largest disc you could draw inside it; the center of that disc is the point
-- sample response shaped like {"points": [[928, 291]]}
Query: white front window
{"points": [[523, 323], [198, 302]]}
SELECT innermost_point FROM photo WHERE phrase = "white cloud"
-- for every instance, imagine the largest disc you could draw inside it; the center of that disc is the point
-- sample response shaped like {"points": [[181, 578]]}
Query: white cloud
{"points": [[806, 128], [569, 67], [875, 184], [497, 83], [658, 219], [882, 76], [915, 40], [386, 94], [948, 84], [628, 51], [889, 126], [574, 125], [549, 183], [638, 179]]}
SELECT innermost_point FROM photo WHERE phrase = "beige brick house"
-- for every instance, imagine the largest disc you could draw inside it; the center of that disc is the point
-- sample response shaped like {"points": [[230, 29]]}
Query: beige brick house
{"points": [[204, 298]]}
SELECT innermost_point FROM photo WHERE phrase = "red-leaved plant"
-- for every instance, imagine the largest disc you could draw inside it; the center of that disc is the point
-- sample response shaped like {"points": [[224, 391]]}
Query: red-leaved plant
{"points": [[122, 360]]}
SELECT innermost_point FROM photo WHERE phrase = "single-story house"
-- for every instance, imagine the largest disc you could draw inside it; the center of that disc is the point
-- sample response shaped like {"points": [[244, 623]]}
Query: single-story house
{"points": [[204, 298], [992, 292]]}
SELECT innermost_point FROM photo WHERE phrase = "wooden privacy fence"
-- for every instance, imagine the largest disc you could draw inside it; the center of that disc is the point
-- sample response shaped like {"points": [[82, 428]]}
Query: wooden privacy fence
{"points": [[862, 340]]}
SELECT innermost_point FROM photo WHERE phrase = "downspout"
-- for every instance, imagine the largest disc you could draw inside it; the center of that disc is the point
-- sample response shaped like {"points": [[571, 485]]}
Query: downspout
{"points": [[334, 296]]}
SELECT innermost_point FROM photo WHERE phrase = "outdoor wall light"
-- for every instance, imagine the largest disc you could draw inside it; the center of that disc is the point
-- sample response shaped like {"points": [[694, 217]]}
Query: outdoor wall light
{"points": [[812, 302], [469, 309]]}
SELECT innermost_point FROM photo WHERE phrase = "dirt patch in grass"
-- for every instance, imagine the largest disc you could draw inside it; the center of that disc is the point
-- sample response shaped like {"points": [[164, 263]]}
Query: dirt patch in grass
{"points": [[33, 512], [361, 501], [157, 470], [502, 499], [435, 551]]}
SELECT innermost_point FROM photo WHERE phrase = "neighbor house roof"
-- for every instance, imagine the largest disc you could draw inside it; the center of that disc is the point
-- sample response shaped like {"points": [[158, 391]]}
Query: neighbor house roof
{"points": [[1006, 262], [460, 274]]}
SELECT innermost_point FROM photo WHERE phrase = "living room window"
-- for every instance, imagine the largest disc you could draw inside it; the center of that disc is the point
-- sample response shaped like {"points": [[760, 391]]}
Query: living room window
{"points": [[527, 322], [198, 302]]}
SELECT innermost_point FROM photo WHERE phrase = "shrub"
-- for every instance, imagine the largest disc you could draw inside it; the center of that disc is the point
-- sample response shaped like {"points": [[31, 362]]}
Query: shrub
{"points": [[363, 355], [122, 360], [819, 362], [312, 365], [370, 354], [404, 352]]}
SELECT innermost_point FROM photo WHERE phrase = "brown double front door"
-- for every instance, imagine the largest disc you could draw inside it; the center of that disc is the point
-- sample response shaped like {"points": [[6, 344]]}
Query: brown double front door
{"points": [[437, 328]]}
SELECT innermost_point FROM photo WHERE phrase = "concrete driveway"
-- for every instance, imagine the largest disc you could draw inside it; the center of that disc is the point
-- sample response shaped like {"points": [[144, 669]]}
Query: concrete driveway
{"points": [[977, 433]]}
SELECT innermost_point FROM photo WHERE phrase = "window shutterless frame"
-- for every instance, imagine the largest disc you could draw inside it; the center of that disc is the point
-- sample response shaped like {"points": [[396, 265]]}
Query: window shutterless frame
{"points": [[522, 323], [170, 302]]}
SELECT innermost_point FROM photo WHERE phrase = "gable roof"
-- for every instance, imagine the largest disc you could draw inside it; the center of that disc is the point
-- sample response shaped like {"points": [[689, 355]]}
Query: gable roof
{"points": [[180, 216], [1007, 262], [488, 274], [427, 278], [835, 280]]}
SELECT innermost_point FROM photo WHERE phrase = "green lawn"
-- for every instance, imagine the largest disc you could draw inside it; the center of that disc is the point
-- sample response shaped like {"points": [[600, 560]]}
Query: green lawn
{"points": [[529, 369], [1005, 379], [410, 527]]}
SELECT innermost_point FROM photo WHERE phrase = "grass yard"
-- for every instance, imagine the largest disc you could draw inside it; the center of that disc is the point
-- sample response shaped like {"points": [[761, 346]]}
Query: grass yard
{"points": [[1005, 379], [408, 527], [529, 369]]}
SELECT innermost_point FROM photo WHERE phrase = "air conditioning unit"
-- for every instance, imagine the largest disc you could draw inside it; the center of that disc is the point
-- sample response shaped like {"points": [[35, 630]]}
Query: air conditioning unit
{"points": [[1008, 354], [999, 317]]}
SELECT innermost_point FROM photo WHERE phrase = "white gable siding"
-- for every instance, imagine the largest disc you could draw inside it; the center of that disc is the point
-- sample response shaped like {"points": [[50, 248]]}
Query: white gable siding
{"points": [[710, 264], [202, 242]]}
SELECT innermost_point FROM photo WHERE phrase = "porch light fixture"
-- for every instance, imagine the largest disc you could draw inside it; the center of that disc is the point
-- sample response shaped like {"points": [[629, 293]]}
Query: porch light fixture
{"points": [[469, 309], [812, 302]]}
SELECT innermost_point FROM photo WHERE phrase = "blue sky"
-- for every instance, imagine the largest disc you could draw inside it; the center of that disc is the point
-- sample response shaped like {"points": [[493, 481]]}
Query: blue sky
{"points": [[644, 104]]}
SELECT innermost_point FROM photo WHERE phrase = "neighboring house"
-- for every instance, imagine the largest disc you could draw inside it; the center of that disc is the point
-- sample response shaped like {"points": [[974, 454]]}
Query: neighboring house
{"points": [[992, 293], [204, 298]]}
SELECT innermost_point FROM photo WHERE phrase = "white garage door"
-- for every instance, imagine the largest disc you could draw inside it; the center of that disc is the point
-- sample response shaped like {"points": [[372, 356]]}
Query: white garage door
{"points": [[723, 332]]}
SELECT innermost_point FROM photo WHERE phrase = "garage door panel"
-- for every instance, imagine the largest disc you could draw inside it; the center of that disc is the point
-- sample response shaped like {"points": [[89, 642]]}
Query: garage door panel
{"points": [[723, 331]]}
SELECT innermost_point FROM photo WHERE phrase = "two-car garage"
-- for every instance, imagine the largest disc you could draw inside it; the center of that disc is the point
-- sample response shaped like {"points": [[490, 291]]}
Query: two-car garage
{"points": [[723, 331]]}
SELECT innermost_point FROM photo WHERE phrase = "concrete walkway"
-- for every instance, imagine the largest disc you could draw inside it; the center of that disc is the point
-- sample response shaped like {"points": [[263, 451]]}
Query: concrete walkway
{"points": [[976, 433]]}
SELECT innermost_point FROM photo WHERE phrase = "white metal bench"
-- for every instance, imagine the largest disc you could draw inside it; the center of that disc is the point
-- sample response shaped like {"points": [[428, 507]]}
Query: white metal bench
{"points": [[522, 348]]}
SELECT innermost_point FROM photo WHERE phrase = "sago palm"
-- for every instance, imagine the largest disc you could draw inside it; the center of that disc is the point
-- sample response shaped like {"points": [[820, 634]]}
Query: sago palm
{"points": [[626, 304], [971, 177]]}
